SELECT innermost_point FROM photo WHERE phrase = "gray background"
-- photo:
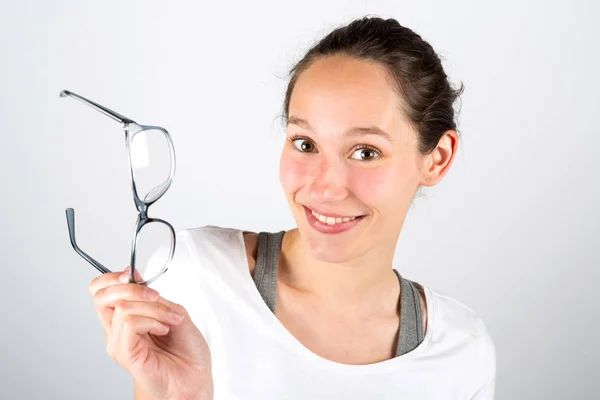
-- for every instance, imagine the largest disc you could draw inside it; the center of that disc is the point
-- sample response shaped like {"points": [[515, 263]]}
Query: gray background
{"points": [[512, 231]]}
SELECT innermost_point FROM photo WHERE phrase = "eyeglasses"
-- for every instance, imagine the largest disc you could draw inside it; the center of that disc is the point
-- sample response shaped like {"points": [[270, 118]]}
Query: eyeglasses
{"points": [[152, 166]]}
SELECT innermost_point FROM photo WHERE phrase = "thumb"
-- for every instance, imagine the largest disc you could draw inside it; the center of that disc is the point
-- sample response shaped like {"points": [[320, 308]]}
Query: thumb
{"points": [[125, 275]]}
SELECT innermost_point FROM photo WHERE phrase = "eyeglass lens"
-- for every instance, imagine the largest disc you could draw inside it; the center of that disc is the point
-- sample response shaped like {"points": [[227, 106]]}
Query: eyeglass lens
{"points": [[151, 163], [152, 250]]}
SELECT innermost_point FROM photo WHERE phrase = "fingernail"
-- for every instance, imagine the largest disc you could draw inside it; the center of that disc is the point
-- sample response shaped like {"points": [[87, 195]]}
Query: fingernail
{"points": [[124, 278]]}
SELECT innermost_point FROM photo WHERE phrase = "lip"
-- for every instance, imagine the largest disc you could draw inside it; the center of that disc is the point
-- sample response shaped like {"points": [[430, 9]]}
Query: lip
{"points": [[330, 229]]}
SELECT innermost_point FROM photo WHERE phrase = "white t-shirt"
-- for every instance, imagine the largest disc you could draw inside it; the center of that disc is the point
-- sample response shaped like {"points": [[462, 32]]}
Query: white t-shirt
{"points": [[255, 357]]}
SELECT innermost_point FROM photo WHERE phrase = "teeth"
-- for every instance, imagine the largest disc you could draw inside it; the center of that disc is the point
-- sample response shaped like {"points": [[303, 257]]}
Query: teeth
{"points": [[332, 220]]}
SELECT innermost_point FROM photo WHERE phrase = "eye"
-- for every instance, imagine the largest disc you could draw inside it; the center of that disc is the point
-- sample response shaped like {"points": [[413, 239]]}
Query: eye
{"points": [[303, 144], [366, 153]]}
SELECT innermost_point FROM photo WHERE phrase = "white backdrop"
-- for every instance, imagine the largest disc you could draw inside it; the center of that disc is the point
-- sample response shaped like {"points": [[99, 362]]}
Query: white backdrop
{"points": [[511, 231]]}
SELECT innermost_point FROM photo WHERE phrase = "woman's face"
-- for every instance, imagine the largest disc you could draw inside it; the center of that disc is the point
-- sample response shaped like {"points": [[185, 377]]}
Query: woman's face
{"points": [[349, 152]]}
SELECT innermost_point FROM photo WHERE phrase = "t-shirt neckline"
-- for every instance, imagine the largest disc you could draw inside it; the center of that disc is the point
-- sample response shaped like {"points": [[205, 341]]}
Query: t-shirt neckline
{"points": [[309, 355]]}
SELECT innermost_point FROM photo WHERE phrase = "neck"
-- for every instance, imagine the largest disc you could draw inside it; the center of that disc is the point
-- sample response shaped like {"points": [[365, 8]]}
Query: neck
{"points": [[364, 284]]}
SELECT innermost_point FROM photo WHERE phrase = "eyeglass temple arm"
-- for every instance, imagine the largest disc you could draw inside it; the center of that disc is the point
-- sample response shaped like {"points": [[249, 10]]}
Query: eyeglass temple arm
{"points": [[71, 223], [106, 111]]}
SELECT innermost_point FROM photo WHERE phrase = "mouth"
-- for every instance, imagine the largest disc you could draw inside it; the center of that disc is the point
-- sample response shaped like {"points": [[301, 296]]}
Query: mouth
{"points": [[330, 222], [332, 218]]}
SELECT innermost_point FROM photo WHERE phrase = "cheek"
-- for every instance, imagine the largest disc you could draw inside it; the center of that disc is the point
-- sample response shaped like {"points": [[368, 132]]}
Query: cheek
{"points": [[381, 187], [292, 172]]}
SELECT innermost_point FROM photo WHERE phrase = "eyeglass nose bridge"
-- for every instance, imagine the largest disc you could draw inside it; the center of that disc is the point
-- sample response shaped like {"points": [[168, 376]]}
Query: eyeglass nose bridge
{"points": [[142, 209]]}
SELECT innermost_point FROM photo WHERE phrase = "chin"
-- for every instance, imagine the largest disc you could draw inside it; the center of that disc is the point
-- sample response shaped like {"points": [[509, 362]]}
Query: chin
{"points": [[332, 250], [329, 255]]}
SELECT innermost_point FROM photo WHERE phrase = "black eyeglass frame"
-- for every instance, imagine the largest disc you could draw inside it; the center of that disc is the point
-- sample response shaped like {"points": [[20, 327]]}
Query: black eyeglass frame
{"points": [[131, 129]]}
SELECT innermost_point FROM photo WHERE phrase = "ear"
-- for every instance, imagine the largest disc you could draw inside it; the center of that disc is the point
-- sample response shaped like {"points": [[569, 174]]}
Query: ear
{"points": [[437, 163]]}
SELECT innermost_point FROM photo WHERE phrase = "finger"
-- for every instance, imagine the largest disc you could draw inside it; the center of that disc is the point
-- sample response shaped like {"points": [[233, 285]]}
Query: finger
{"points": [[108, 279], [128, 333], [136, 274], [128, 313], [98, 284], [173, 306], [150, 309], [102, 281], [106, 299], [125, 277], [108, 296]]}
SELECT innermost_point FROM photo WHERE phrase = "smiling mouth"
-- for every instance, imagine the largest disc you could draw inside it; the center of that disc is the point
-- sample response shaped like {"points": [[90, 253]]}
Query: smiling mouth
{"points": [[332, 220]]}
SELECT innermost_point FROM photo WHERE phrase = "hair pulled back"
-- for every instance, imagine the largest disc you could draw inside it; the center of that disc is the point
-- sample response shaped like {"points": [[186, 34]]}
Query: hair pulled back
{"points": [[427, 96]]}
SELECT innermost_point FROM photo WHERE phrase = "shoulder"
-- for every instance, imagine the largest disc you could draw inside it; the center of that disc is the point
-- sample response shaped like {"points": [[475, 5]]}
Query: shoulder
{"points": [[209, 239], [458, 316], [209, 231], [462, 328], [210, 235]]}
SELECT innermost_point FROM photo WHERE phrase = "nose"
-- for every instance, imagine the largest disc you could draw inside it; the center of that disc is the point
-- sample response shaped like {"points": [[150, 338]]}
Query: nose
{"points": [[328, 183]]}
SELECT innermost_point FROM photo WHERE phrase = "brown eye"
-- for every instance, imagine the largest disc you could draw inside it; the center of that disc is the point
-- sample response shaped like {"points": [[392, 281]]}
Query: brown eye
{"points": [[304, 145], [366, 153]]}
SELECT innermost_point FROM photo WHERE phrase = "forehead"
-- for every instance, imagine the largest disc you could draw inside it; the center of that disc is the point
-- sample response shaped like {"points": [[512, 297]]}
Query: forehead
{"points": [[340, 90]]}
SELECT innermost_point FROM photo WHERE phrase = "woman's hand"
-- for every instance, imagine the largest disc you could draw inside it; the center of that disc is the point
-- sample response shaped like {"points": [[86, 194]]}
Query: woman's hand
{"points": [[164, 352]]}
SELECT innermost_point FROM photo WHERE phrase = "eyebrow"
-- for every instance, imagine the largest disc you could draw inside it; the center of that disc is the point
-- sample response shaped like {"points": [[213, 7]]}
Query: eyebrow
{"points": [[355, 131]]}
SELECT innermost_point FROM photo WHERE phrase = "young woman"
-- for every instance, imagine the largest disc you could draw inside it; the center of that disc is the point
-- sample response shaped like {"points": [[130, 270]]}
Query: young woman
{"points": [[318, 311]]}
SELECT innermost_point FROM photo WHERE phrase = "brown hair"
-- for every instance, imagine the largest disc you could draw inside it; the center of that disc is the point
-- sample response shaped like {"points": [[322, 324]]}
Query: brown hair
{"points": [[426, 94]]}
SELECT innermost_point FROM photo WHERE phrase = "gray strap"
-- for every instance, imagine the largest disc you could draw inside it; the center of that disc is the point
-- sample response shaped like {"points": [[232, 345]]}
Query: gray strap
{"points": [[267, 261], [265, 278], [411, 317]]}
